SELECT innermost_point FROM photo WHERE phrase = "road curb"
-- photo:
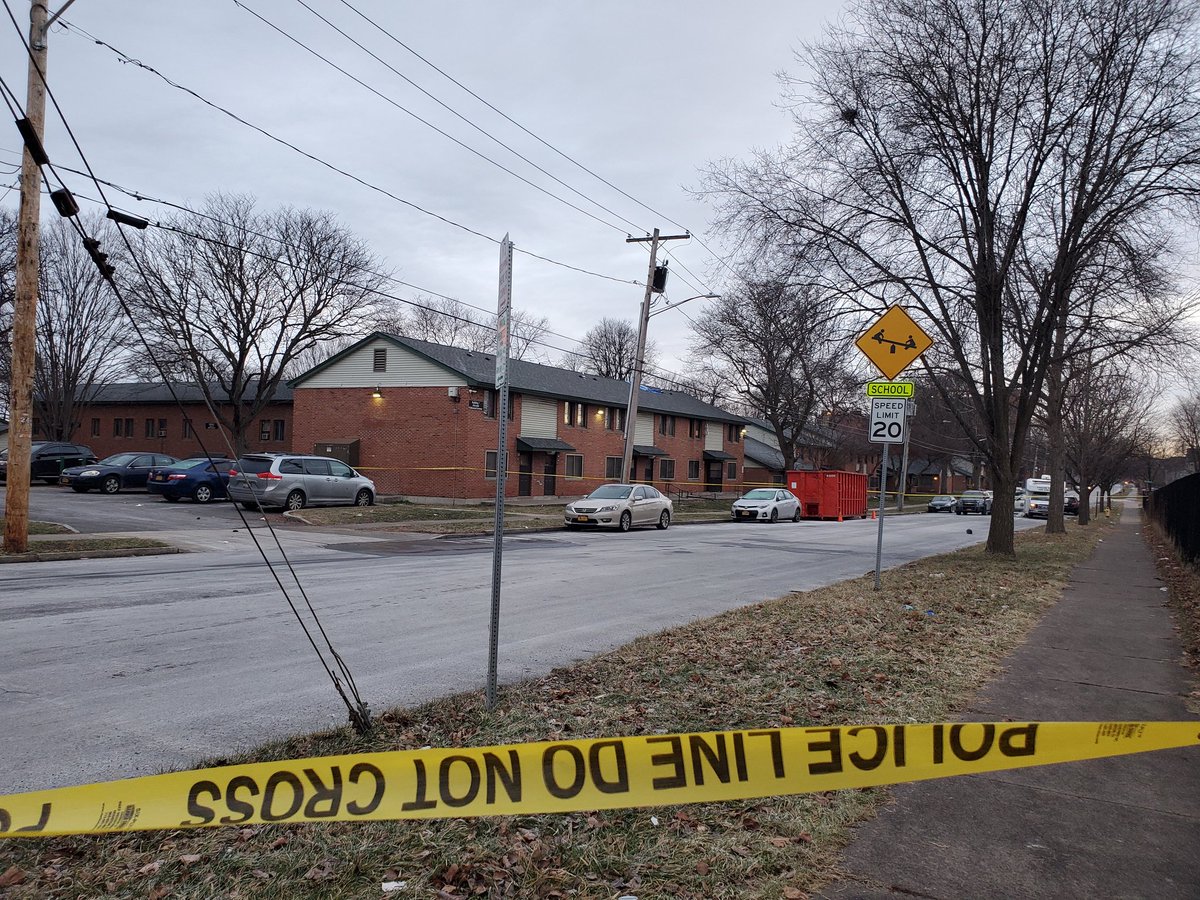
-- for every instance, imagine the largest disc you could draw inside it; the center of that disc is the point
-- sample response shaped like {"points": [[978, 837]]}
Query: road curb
{"points": [[40, 556]]}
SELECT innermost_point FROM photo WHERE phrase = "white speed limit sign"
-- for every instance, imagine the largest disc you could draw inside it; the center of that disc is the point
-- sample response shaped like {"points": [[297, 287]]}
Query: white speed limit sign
{"points": [[887, 420]]}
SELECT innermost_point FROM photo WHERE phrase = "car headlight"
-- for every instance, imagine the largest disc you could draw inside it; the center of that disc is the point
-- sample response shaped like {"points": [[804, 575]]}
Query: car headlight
{"points": [[608, 508], [90, 472]]}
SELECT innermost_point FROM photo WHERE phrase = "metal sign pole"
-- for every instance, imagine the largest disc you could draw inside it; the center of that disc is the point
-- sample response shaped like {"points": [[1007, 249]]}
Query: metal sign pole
{"points": [[882, 495], [502, 337]]}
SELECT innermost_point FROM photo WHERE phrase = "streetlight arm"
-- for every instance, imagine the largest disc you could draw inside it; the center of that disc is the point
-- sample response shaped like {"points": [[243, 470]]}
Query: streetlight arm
{"points": [[671, 305]]}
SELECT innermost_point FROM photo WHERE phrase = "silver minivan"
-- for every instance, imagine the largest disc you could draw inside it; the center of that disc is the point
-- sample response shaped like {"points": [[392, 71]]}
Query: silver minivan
{"points": [[294, 481]]}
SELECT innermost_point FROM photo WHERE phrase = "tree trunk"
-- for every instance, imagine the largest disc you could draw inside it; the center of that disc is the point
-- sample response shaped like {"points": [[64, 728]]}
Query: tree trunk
{"points": [[1002, 530]]}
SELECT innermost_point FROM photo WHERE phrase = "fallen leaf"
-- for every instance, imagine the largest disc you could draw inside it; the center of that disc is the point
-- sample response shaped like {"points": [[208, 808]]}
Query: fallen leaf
{"points": [[792, 893], [322, 871], [702, 868], [150, 868], [260, 873], [279, 842], [158, 893], [781, 842], [12, 875], [189, 858]]}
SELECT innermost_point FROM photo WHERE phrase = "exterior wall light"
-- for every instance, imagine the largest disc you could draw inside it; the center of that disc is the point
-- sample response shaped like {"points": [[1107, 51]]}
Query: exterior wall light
{"points": [[377, 394]]}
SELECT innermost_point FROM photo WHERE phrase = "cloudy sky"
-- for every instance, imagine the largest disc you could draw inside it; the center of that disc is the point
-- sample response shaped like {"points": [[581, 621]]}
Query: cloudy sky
{"points": [[644, 95]]}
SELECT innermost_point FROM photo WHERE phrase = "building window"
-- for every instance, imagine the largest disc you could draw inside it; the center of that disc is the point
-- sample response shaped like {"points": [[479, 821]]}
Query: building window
{"points": [[278, 429], [149, 428], [693, 470], [666, 470], [187, 427], [264, 430], [695, 428], [162, 428], [734, 433], [666, 425], [614, 418], [490, 464], [612, 467], [574, 465], [575, 414], [491, 404], [732, 471], [129, 428], [380, 363], [95, 428], [116, 427]]}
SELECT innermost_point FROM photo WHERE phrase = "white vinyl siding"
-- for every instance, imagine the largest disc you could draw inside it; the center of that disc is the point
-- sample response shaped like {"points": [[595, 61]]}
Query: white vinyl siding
{"points": [[644, 432], [404, 369], [714, 437], [539, 417], [765, 435]]}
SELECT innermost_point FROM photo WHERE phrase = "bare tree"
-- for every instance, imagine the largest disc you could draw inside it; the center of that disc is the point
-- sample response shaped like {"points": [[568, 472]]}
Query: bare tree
{"points": [[941, 130], [81, 328], [441, 320], [245, 294], [784, 350], [1184, 424], [609, 349]]}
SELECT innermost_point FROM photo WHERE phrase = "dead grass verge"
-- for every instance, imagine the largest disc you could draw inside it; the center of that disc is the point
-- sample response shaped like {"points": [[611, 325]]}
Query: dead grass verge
{"points": [[1183, 590], [912, 652]]}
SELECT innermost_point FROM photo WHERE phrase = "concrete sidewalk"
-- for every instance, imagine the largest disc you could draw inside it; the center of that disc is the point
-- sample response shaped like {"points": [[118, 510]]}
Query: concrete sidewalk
{"points": [[1120, 827]]}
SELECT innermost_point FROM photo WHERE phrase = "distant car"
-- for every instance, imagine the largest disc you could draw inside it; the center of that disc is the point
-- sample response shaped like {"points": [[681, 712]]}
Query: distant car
{"points": [[941, 503], [294, 481], [1020, 498], [47, 459], [111, 474], [767, 505], [1038, 506], [620, 506], [1071, 504], [973, 502], [199, 477]]}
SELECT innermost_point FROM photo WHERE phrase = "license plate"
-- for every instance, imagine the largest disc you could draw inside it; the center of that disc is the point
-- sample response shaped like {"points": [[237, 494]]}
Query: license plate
{"points": [[581, 518]]}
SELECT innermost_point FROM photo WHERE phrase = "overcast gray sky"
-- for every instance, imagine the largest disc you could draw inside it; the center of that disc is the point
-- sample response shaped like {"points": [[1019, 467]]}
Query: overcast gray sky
{"points": [[643, 94]]}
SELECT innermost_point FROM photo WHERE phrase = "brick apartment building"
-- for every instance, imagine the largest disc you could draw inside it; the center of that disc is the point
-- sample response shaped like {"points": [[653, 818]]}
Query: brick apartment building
{"points": [[145, 417], [420, 419]]}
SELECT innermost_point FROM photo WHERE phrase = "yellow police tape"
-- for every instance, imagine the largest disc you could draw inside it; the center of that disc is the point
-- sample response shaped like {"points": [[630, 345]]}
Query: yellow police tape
{"points": [[573, 776]]}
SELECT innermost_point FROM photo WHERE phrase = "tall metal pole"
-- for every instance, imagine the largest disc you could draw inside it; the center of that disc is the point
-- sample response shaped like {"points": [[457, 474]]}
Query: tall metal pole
{"points": [[24, 329], [909, 412], [502, 338], [883, 467], [635, 383]]}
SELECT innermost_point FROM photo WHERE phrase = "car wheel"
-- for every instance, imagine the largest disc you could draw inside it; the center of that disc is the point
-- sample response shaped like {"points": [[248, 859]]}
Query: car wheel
{"points": [[626, 521], [774, 516], [202, 494], [295, 500], [664, 521], [79, 490], [363, 498], [796, 515], [111, 484]]}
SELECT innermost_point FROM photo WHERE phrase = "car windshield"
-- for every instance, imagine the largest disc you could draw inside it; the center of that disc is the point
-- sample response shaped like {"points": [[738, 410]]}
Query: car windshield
{"points": [[119, 459], [943, 497], [189, 463], [611, 492], [972, 493], [760, 494]]}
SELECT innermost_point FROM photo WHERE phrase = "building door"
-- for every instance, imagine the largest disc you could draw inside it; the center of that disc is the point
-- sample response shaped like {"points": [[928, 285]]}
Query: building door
{"points": [[649, 476], [712, 474], [550, 484], [525, 477]]}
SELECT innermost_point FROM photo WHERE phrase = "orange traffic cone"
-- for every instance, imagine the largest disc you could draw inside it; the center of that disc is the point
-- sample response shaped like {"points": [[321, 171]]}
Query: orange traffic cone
{"points": [[873, 516]]}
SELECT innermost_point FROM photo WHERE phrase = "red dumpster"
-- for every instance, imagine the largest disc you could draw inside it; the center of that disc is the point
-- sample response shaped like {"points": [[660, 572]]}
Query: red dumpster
{"points": [[829, 494]]}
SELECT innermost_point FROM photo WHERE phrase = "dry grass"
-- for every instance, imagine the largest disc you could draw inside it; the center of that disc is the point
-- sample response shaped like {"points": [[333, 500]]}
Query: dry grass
{"points": [[43, 527], [84, 545], [1183, 585], [912, 652]]}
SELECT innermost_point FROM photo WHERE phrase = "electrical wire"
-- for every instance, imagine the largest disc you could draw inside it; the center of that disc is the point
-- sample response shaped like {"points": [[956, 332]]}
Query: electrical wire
{"points": [[328, 165], [359, 711]]}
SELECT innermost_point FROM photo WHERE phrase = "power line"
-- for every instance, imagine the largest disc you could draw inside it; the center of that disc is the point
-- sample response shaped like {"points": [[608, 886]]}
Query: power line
{"points": [[333, 168]]}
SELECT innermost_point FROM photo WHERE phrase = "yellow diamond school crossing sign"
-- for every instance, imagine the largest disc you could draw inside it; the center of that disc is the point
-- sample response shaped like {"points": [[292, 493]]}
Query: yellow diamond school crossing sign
{"points": [[894, 342]]}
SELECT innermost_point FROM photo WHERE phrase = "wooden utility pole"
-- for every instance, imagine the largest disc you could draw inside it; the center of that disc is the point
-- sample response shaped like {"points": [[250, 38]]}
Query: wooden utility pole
{"points": [[635, 383], [24, 330]]}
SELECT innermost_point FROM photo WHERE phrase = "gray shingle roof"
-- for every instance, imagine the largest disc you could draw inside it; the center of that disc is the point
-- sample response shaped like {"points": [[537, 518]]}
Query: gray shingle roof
{"points": [[548, 381], [151, 392], [763, 454]]}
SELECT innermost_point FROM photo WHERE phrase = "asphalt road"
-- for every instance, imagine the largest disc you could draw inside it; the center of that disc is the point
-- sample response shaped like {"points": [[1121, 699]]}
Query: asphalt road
{"points": [[120, 667], [130, 510]]}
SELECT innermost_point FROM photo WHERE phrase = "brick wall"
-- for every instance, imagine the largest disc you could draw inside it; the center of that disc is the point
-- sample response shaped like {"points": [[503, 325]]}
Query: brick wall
{"points": [[418, 441], [177, 442]]}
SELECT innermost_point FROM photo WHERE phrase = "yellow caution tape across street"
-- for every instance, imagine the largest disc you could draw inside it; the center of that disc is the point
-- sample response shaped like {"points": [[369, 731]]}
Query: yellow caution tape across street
{"points": [[573, 776]]}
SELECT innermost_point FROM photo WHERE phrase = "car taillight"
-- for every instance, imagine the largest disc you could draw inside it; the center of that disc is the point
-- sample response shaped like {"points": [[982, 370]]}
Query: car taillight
{"points": [[176, 477], [270, 475], [232, 472]]}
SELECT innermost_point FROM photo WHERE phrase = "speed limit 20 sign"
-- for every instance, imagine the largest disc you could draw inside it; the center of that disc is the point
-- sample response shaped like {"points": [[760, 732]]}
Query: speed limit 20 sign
{"points": [[887, 420]]}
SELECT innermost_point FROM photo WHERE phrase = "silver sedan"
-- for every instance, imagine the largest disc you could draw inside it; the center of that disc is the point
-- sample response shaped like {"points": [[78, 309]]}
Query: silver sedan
{"points": [[767, 505], [620, 506]]}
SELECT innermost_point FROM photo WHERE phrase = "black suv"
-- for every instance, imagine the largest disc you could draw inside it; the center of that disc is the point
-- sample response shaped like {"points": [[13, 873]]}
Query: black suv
{"points": [[47, 459], [973, 502]]}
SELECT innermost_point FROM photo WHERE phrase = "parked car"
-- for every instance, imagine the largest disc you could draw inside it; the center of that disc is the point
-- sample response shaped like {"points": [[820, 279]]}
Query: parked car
{"points": [[121, 470], [1071, 504], [620, 506], [198, 477], [767, 505], [294, 481], [47, 459], [973, 502], [941, 503], [1020, 498]]}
